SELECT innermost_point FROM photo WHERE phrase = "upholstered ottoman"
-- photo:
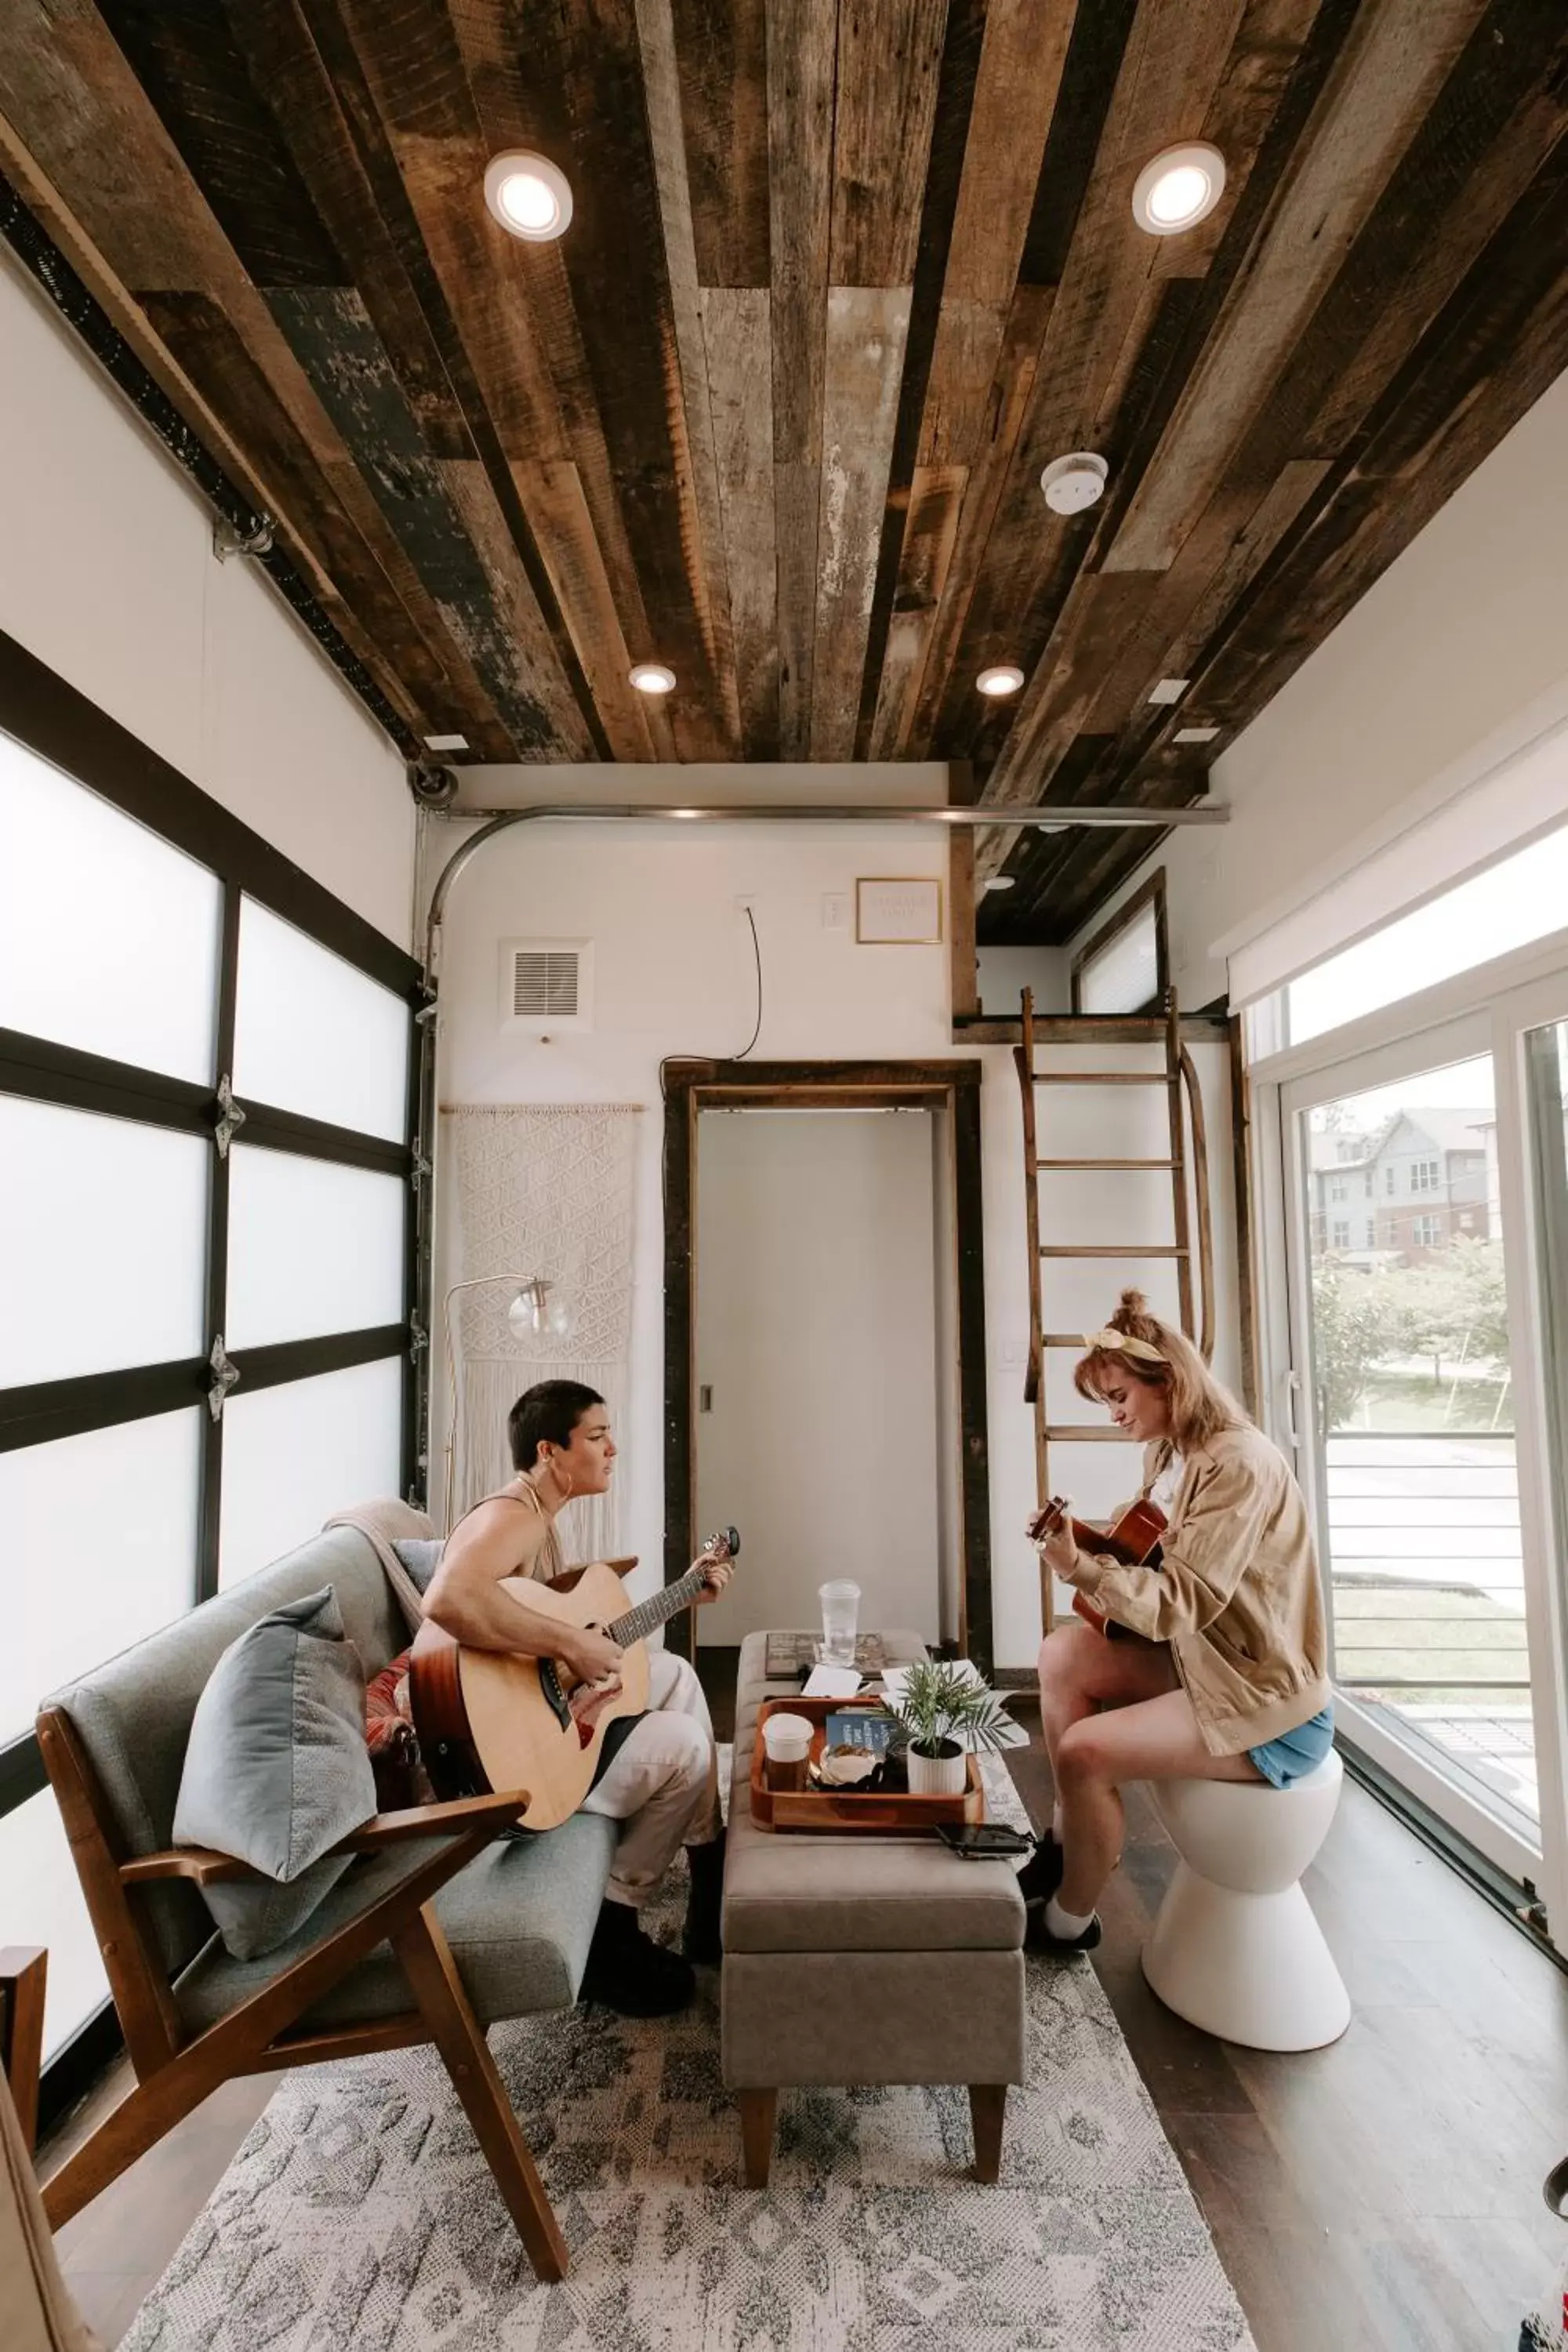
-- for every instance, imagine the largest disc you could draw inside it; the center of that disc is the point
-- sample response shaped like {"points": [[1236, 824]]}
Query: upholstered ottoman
{"points": [[873, 1959]]}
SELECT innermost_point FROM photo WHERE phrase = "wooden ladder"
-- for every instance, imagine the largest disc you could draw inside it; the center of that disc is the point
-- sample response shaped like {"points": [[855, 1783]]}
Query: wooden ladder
{"points": [[1179, 1078]]}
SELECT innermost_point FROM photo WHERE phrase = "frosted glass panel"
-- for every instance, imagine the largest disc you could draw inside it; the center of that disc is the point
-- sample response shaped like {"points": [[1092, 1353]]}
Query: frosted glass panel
{"points": [[105, 1243], [314, 1035], [109, 939], [1125, 975], [294, 1455], [100, 1541], [312, 1248], [41, 1903]]}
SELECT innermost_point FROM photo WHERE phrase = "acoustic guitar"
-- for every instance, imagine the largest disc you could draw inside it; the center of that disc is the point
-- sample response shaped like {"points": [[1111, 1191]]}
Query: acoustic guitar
{"points": [[490, 1720], [1133, 1539]]}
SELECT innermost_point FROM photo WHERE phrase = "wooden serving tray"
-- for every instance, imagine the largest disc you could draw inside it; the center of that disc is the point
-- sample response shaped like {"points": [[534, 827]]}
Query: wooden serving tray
{"points": [[842, 1811]]}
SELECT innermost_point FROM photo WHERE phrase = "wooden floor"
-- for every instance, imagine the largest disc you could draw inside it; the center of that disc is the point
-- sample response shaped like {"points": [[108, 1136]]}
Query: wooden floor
{"points": [[1383, 2196]]}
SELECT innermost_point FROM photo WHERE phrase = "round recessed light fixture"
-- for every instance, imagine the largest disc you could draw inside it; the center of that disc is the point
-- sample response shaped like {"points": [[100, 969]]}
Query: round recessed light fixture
{"points": [[1000, 882], [651, 677], [1073, 482], [530, 196], [1178, 188], [1005, 677]]}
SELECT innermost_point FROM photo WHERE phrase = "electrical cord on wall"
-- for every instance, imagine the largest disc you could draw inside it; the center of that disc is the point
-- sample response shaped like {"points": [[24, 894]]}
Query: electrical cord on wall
{"points": [[757, 1030], [757, 951]]}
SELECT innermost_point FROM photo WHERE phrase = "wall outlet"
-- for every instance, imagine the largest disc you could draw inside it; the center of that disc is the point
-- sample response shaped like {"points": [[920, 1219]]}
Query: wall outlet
{"points": [[1015, 1351], [835, 910]]}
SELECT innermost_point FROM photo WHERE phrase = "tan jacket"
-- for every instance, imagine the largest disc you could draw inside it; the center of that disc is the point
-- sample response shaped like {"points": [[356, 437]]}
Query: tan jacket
{"points": [[1237, 1595]]}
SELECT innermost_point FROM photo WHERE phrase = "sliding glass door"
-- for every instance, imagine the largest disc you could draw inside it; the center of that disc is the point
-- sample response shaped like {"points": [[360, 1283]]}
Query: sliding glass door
{"points": [[1426, 1194]]}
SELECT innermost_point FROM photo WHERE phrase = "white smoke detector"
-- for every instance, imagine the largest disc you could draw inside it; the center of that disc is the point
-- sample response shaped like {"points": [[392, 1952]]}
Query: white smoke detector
{"points": [[1074, 482]]}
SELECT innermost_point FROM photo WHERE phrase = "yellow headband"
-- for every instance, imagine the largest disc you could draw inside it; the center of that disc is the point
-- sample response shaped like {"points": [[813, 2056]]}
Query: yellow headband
{"points": [[1121, 1343]]}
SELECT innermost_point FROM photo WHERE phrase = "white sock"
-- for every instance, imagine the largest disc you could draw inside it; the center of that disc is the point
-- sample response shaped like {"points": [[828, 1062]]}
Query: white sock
{"points": [[1057, 1823], [1066, 1925]]}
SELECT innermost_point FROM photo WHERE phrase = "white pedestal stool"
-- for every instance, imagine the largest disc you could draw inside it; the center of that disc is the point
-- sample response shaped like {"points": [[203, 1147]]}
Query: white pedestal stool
{"points": [[1236, 1948]]}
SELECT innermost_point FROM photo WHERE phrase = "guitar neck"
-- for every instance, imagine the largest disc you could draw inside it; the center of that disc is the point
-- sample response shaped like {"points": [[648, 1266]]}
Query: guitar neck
{"points": [[639, 1622]]}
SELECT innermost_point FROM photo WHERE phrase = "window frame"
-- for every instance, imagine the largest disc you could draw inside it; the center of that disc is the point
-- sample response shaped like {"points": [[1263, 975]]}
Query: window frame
{"points": [[56, 722], [1149, 893]]}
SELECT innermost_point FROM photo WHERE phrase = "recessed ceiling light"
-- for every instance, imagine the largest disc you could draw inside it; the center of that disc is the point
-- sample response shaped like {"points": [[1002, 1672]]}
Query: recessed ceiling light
{"points": [[1006, 678], [651, 677], [1178, 188], [686, 812], [1168, 689], [1000, 882], [1074, 482], [446, 742], [529, 195], [1196, 734]]}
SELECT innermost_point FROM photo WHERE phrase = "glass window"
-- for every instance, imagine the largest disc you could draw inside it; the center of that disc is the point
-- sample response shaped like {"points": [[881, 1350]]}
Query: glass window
{"points": [[109, 938], [1419, 1517], [294, 1455], [101, 1531], [314, 1035], [1124, 976], [1524, 897], [105, 1227], [41, 1902], [314, 1247]]}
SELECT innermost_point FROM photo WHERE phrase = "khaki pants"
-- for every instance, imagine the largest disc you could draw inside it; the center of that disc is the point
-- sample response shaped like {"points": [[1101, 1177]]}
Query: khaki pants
{"points": [[663, 1785]]}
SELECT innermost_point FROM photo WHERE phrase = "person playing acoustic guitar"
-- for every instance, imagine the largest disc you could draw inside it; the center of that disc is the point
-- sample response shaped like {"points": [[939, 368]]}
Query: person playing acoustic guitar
{"points": [[662, 1781], [1228, 1681]]}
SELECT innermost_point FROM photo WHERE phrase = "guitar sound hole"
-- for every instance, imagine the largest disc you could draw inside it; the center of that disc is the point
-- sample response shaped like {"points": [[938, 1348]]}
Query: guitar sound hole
{"points": [[550, 1684]]}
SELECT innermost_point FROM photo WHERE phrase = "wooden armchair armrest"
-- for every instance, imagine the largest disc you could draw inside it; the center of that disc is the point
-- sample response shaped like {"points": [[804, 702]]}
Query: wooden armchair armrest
{"points": [[203, 1865], [22, 1970]]}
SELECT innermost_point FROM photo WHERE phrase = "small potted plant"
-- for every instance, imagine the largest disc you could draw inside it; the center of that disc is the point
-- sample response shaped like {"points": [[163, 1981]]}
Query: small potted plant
{"points": [[940, 1699]]}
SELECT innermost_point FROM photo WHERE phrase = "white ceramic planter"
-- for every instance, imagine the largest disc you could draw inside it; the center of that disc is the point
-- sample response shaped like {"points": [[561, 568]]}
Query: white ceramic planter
{"points": [[937, 1776]]}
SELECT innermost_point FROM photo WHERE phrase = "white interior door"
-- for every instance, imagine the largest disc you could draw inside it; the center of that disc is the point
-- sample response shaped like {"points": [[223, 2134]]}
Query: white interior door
{"points": [[817, 1363]]}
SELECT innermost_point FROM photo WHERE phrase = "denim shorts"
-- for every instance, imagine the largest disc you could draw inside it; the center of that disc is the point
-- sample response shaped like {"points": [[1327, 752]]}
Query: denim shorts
{"points": [[1296, 1753]]}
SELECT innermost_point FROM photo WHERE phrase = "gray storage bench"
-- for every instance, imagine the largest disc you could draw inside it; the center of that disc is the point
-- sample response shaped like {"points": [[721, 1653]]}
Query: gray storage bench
{"points": [[873, 1959]]}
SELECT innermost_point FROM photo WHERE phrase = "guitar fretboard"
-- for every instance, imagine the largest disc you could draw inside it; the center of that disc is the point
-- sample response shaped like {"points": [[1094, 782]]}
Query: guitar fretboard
{"points": [[640, 1622]]}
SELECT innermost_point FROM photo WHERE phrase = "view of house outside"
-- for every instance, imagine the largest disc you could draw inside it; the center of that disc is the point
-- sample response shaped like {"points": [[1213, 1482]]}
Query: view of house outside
{"points": [[1410, 1358]]}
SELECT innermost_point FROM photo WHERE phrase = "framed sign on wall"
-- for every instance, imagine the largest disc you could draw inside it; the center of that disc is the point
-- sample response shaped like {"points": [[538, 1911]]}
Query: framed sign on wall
{"points": [[896, 910]]}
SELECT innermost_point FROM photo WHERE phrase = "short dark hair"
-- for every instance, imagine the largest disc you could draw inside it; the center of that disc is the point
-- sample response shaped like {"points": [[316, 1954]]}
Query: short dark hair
{"points": [[549, 1410]]}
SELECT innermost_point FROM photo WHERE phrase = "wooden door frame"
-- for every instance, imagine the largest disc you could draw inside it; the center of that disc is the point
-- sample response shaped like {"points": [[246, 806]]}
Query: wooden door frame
{"points": [[952, 1086]]}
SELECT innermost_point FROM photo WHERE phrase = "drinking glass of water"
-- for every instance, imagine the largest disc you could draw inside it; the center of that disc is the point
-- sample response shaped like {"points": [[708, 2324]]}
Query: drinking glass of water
{"points": [[840, 1615]]}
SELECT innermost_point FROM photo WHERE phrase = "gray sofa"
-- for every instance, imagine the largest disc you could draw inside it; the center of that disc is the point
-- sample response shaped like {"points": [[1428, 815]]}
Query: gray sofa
{"points": [[519, 1918]]}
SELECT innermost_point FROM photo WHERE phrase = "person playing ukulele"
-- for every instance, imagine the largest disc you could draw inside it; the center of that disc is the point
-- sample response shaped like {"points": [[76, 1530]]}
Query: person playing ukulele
{"points": [[1228, 1681], [662, 1780]]}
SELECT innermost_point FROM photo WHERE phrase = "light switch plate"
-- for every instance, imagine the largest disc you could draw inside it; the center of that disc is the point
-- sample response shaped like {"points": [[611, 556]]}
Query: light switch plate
{"points": [[835, 910]]}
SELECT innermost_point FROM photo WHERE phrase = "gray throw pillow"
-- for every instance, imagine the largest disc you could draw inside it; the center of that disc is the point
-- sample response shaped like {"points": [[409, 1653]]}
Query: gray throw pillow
{"points": [[277, 1770], [421, 1555]]}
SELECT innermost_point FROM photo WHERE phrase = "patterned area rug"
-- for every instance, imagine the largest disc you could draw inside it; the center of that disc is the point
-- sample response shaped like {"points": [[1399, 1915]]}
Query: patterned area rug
{"points": [[359, 2213]]}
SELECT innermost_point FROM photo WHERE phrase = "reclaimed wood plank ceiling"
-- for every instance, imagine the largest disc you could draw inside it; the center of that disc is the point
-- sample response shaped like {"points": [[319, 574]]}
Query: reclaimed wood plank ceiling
{"points": [[842, 276]]}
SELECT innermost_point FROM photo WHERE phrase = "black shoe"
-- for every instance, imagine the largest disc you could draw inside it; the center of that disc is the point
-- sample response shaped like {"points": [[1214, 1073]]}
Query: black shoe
{"points": [[1042, 1873], [1037, 1937], [702, 1939], [631, 1974]]}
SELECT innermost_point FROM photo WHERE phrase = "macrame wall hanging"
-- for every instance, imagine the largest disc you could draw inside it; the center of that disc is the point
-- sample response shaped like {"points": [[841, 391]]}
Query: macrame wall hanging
{"points": [[542, 1189]]}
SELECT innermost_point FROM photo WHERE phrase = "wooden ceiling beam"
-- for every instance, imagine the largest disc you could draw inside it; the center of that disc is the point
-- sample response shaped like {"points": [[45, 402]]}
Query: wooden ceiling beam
{"points": [[802, 52]]}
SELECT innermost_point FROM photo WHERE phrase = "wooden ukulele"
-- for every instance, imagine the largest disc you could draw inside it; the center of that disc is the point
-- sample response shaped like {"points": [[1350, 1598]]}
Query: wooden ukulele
{"points": [[490, 1720], [1133, 1539]]}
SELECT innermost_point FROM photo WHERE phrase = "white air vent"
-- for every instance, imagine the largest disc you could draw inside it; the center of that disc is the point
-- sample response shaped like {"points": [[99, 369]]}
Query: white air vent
{"points": [[546, 985]]}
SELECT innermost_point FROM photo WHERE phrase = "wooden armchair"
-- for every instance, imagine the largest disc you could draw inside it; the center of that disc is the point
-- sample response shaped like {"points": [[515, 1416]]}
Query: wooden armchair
{"points": [[417, 1853], [441, 1929]]}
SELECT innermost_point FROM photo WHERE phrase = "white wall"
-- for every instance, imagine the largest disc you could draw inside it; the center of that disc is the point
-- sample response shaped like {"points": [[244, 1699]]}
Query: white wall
{"points": [[107, 573], [1005, 972], [673, 975], [1455, 661]]}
